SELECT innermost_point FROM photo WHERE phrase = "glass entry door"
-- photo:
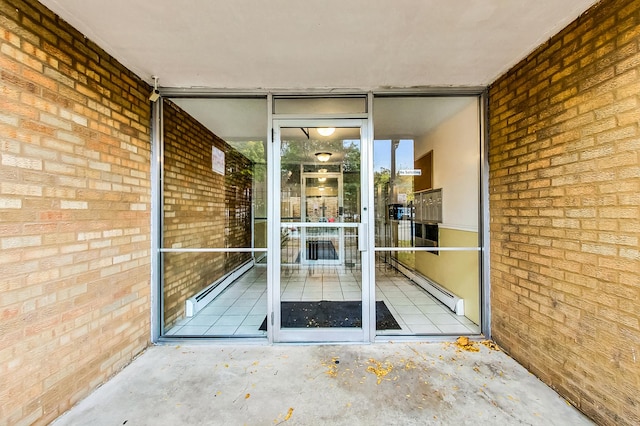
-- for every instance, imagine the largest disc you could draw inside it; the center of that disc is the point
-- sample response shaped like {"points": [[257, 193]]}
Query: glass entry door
{"points": [[321, 214]]}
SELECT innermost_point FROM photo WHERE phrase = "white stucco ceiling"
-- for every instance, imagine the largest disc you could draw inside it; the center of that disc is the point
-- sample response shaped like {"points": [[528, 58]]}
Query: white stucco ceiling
{"points": [[319, 44]]}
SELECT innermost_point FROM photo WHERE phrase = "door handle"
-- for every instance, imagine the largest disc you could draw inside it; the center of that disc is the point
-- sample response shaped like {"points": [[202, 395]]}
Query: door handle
{"points": [[363, 242]]}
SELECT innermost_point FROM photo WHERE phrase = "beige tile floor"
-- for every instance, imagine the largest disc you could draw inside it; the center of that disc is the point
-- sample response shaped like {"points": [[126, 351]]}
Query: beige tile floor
{"points": [[241, 308]]}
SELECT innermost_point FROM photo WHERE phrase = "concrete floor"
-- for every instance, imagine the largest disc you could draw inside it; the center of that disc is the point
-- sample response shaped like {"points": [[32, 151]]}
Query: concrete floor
{"points": [[380, 384]]}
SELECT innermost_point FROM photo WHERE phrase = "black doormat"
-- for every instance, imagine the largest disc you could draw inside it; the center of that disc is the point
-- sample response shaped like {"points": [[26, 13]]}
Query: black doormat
{"points": [[331, 314], [320, 250]]}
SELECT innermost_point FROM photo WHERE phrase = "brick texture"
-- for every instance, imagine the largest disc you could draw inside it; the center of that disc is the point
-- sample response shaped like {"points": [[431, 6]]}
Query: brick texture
{"points": [[202, 209], [74, 215], [565, 208]]}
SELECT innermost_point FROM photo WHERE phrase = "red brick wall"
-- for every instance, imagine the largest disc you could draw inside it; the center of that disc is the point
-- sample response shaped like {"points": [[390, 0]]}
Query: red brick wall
{"points": [[74, 215], [202, 209], [565, 208]]}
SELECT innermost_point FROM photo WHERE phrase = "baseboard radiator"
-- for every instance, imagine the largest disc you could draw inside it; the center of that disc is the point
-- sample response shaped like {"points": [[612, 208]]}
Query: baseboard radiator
{"points": [[447, 298], [202, 299]]}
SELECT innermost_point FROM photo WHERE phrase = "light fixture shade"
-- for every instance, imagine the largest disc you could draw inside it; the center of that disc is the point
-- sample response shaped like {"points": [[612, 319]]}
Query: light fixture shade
{"points": [[326, 131], [323, 156]]}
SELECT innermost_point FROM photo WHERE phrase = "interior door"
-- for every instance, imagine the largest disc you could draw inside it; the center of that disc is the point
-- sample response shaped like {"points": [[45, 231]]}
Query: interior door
{"points": [[322, 202], [318, 273]]}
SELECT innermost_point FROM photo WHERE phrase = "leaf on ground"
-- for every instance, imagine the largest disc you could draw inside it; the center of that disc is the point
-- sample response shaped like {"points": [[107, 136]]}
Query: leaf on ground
{"points": [[332, 367], [410, 365], [289, 414], [247, 396], [491, 345], [379, 369], [465, 344]]}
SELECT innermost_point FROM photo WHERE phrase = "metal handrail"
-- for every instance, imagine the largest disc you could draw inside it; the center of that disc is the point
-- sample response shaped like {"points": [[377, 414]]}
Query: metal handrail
{"points": [[320, 224], [380, 249], [213, 250]]}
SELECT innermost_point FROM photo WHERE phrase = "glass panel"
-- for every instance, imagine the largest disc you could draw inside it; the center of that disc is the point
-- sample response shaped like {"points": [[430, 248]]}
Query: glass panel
{"points": [[393, 192], [426, 195], [214, 188], [422, 303], [329, 105], [214, 198], [234, 303], [322, 198], [321, 280]]}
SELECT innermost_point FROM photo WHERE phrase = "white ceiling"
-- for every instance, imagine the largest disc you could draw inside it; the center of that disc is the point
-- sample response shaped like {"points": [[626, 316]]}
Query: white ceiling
{"points": [[319, 44]]}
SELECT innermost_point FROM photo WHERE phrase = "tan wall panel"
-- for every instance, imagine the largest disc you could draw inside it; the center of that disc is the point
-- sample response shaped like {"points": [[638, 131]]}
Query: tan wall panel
{"points": [[456, 271]]}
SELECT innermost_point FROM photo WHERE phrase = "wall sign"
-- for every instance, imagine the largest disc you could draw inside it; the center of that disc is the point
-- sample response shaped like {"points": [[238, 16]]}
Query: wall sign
{"points": [[217, 160], [410, 172]]}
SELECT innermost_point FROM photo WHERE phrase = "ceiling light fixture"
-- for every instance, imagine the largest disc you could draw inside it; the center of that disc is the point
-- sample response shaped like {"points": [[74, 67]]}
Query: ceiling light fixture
{"points": [[322, 179], [326, 131], [323, 157]]}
